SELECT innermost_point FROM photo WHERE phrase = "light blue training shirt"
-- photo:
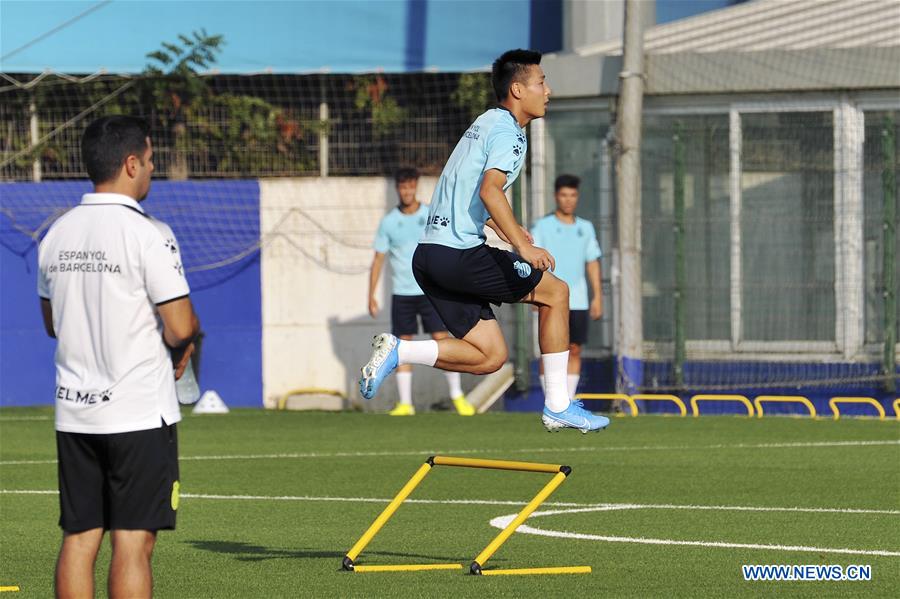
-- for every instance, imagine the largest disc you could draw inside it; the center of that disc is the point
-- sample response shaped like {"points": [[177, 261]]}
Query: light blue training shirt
{"points": [[398, 235], [572, 246], [457, 215]]}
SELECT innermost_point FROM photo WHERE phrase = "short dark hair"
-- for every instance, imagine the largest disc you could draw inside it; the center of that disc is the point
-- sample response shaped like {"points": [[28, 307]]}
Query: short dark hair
{"points": [[566, 181], [108, 141], [511, 66], [405, 174]]}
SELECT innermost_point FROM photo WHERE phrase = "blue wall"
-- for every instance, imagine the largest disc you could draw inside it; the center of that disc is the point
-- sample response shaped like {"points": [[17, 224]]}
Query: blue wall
{"points": [[217, 225]]}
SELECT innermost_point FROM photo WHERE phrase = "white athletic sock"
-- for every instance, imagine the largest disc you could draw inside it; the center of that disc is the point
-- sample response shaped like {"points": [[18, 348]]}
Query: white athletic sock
{"points": [[543, 383], [573, 384], [556, 393], [455, 385], [417, 352], [404, 387]]}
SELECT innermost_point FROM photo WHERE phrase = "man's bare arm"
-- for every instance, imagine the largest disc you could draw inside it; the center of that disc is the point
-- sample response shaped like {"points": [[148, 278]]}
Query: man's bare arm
{"points": [[374, 275], [497, 205], [47, 314]]}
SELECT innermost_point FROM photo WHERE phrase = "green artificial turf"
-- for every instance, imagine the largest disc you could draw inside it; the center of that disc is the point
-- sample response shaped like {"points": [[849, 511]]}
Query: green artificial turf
{"points": [[271, 501]]}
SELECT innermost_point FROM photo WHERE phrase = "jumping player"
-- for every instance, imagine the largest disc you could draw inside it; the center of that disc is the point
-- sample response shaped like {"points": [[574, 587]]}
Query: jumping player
{"points": [[462, 276]]}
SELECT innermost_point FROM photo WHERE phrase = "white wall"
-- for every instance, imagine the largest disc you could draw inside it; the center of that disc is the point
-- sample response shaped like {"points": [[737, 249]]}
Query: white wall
{"points": [[317, 237]]}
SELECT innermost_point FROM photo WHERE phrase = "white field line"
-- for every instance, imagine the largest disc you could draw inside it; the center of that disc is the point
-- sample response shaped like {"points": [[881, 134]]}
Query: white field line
{"points": [[503, 521], [573, 507], [426, 452]]}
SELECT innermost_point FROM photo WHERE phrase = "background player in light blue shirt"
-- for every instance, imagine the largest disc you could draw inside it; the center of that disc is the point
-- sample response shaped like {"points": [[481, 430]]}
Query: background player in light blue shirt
{"points": [[462, 276], [398, 235], [573, 242]]}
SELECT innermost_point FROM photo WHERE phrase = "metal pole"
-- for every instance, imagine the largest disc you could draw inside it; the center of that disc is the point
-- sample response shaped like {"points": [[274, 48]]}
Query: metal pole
{"points": [[35, 138], [323, 139], [889, 186], [680, 274], [628, 184], [522, 310]]}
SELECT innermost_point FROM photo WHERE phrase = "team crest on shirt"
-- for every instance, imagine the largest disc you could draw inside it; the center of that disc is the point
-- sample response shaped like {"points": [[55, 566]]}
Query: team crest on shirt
{"points": [[422, 222]]}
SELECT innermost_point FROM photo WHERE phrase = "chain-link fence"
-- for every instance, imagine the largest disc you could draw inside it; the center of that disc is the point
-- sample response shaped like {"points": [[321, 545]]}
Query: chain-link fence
{"points": [[244, 126]]}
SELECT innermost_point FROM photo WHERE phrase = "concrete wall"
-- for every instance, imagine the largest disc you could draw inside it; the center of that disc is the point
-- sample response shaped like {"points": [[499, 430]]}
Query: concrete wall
{"points": [[317, 251]]}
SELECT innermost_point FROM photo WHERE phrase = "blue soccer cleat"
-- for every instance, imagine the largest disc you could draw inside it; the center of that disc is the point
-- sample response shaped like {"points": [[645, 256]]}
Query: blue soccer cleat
{"points": [[384, 361], [575, 416]]}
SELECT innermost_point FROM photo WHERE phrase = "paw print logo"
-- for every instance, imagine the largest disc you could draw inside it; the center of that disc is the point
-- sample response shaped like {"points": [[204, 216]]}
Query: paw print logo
{"points": [[444, 221], [105, 395], [523, 269], [180, 269], [517, 150], [170, 243], [520, 138]]}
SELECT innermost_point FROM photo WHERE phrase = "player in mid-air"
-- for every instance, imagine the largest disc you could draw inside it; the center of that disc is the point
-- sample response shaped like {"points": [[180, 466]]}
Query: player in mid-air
{"points": [[462, 276], [397, 237]]}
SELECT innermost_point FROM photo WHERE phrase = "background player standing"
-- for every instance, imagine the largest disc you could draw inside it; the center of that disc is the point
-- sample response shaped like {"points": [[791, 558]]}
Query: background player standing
{"points": [[398, 235], [573, 242]]}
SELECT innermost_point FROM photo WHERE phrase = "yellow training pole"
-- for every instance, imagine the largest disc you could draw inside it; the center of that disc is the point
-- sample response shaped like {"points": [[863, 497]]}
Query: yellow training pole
{"points": [[409, 568], [560, 570], [385, 515], [496, 464], [475, 567]]}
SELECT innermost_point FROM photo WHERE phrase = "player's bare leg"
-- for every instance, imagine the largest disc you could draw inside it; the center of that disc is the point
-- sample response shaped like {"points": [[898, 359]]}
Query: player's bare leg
{"points": [[404, 406], [129, 569], [454, 385], [75, 566]]}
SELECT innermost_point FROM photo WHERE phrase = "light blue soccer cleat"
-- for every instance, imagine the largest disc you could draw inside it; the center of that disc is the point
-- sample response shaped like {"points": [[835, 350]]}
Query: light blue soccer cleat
{"points": [[384, 361], [575, 416]]}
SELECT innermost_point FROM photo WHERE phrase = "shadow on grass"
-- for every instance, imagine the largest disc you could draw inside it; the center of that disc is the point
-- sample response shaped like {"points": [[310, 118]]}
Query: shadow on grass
{"points": [[251, 553]]}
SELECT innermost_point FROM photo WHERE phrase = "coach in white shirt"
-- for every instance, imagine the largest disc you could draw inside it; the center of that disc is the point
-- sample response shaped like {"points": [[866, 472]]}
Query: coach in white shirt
{"points": [[113, 293]]}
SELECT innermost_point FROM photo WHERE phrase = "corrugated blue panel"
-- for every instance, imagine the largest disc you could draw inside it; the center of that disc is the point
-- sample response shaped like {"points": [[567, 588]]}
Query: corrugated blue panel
{"points": [[265, 36], [217, 225]]}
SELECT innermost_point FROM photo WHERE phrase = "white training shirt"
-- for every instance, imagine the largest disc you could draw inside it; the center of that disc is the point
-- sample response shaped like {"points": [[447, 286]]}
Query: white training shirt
{"points": [[105, 266]]}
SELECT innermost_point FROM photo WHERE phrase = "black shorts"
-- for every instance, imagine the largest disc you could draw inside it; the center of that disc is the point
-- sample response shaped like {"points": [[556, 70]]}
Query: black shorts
{"points": [[122, 481], [406, 310], [462, 284], [578, 326]]}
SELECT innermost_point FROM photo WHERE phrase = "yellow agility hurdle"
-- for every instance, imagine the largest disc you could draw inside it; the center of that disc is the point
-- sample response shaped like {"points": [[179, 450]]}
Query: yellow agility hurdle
{"points": [[785, 399], [834, 401], [560, 473], [663, 397], [613, 397], [698, 398]]}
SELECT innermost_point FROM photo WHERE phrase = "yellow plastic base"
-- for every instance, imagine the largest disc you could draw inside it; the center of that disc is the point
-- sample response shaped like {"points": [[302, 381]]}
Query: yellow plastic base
{"points": [[409, 568], [560, 570]]}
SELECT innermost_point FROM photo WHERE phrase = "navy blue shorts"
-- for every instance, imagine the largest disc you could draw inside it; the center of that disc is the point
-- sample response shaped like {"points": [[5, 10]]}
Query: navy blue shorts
{"points": [[121, 481], [406, 310], [578, 326], [462, 284]]}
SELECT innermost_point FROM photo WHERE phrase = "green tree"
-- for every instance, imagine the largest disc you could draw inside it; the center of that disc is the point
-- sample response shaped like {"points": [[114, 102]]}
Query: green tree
{"points": [[173, 86]]}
